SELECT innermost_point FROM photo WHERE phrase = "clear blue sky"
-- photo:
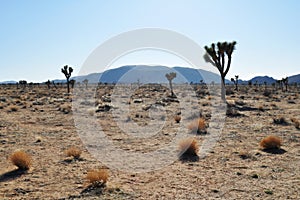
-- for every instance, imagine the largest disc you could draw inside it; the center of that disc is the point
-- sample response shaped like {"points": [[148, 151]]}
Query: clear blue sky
{"points": [[39, 37]]}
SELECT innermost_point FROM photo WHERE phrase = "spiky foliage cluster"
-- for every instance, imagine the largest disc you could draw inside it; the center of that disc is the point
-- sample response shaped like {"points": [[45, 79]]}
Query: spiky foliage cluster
{"points": [[21, 159], [67, 71], [98, 177], [270, 142], [215, 54], [170, 76]]}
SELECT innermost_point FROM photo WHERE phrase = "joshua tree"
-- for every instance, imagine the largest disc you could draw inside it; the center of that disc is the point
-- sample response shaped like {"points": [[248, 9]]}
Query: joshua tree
{"points": [[72, 82], [48, 83], [170, 76], [217, 58], [285, 81], [23, 83], [67, 71], [85, 82], [235, 81]]}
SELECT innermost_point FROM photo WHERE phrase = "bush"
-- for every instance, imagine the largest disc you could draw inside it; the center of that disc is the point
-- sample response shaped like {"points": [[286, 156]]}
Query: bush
{"points": [[270, 142], [177, 118], [97, 177], [188, 147], [198, 125], [73, 152], [21, 159]]}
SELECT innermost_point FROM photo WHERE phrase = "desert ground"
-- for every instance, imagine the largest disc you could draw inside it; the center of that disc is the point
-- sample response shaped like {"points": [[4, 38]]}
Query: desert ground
{"points": [[40, 122]]}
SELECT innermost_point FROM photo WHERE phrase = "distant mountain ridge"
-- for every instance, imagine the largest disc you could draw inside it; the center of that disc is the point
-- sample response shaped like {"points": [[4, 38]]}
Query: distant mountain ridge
{"points": [[156, 74]]}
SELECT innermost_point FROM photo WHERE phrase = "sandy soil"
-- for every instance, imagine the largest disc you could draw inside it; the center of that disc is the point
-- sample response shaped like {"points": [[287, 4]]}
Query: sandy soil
{"points": [[40, 122]]}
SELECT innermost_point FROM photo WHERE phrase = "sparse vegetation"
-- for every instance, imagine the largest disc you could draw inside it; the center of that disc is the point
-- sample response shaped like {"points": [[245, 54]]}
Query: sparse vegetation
{"points": [[67, 71], [98, 177], [177, 118], [73, 152], [217, 58], [188, 147], [271, 142], [21, 159], [198, 126]]}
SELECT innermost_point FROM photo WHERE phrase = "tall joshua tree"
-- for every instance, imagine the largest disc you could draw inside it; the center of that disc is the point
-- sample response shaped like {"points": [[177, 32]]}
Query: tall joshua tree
{"points": [[215, 54], [67, 71], [170, 76]]}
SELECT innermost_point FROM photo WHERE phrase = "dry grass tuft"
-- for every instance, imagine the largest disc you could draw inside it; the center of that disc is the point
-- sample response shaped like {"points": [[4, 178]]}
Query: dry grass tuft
{"points": [[97, 178], [73, 152], [21, 159], [177, 118], [12, 108], [280, 120], [271, 142], [188, 147], [198, 125]]}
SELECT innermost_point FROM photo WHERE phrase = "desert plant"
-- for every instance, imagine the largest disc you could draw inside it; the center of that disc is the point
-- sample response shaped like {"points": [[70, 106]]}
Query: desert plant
{"points": [[73, 152], [217, 59], [235, 81], [280, 120], [13, 108], [285, 82], [98, 177], [270, 142], [67, 71], [188, 147], [296, 122], [198, 125], [177, 118], [170, 76], [21, 159], [85, 82]]}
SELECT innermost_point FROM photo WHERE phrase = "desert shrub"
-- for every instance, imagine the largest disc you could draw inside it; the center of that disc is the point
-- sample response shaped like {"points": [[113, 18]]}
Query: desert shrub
{"points": [[97, 177], [188, 147], [280, 120], [296, 122], [21, 159], [270, 142], [73, 152], [65, 108], [198, 125], [12, 108], [177, 118]]}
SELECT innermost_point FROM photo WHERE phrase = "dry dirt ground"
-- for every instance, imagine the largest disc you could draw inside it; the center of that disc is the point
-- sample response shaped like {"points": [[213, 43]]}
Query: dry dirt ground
{"points": [[40, 122]]}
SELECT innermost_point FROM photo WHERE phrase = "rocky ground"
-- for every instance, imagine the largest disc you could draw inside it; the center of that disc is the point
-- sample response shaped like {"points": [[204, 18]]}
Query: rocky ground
{"points": [[41, 122]]}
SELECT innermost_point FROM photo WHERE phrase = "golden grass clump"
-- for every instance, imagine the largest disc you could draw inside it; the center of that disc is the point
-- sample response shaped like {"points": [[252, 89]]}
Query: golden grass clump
{"points": [[271, 142], [188, 147], [97, 177], [198, 125], [73, 152], [177, 118], [21, 159]]}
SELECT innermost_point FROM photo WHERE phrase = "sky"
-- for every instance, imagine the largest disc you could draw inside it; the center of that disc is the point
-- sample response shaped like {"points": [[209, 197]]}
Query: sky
{"points": [[39, 37]]}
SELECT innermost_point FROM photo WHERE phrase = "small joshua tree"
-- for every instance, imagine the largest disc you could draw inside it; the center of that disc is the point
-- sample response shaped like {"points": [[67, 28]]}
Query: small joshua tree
{"points": [[48, 83], [217, 58], [285, 81], [67, 71], [86, 82], [235, 81], [170, 76]]}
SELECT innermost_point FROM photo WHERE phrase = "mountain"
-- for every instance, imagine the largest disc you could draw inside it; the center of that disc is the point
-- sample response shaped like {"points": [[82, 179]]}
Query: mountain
{"points": [[150, 74], [8, 82], [294, 79], [263, 79]]}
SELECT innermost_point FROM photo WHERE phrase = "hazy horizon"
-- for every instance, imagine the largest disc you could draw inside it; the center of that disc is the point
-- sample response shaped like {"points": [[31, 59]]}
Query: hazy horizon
{"points": [[40, 37]]}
